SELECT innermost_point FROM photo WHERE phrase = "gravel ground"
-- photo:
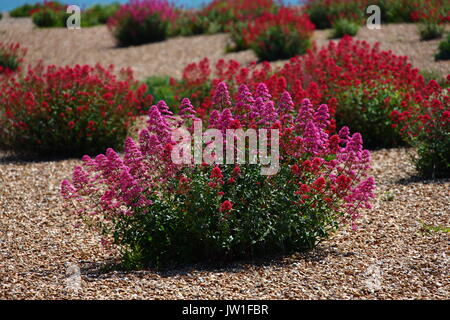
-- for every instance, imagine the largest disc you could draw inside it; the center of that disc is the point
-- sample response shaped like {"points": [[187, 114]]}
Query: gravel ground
{"points": [[391, 256]]}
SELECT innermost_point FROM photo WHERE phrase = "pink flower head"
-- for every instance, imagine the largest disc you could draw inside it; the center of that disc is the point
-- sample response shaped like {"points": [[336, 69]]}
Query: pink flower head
{"points": [[222, 96]]}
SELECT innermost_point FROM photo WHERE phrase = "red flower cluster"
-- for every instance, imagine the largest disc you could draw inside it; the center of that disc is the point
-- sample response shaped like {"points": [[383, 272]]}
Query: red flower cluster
{"points": [[429, 111], [68, 110], [11, 56], [47, 5], [286, 18]]}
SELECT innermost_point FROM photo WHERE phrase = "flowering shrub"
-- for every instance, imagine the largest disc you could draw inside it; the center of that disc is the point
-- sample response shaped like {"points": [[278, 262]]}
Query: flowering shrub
{"points": [[142, 21], [444, 50], [280, 35], [426, 125], [47, 17], [53, 14], [11, 56], [352, 77], [430, 31], [344, 27], [160, 89], [161, 213], [68, 111], [324, 12], [27, 10], [49, 14]]}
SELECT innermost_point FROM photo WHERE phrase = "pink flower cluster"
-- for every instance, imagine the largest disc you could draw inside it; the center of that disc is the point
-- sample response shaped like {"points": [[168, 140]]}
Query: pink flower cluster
{"points": [[326, 168]]}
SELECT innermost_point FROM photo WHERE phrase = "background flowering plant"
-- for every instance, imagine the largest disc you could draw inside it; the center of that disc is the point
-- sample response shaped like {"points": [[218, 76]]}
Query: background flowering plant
{"points": [[142, 21], [274, 36], [361, 84], [68, 111], [27, 10], [49, 14], [324, 12], [161, 213], [426, 124]]}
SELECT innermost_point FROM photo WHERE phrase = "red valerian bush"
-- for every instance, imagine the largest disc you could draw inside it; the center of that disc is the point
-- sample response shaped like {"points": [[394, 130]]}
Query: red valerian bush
{"points": [[279, 35], [360, 83], [426, 124], [142, 21], [11, 56], [68, 110], [162, 213]]}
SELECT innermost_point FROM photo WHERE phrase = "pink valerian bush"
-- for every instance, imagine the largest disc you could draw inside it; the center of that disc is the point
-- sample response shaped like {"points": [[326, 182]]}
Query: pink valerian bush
{"points": [[330, 169]]}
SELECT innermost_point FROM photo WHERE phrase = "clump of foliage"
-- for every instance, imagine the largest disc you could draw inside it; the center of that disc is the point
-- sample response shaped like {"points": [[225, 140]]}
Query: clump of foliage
{"points": [[68, 111], [98, 14], [160, 88], [48, 17], [444, 50], [430, 31], [344, 27], [11, 56]]}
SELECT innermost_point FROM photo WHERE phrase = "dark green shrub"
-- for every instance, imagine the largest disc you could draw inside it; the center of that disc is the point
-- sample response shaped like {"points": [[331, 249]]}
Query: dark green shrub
{"points": [[48, 18], [427, 128], [444, 50], [238, 42], [433, 160], [160, 88], [22, 11], [430, 31], [275, 44], [344, 27], [281, 35], [65, 111]]}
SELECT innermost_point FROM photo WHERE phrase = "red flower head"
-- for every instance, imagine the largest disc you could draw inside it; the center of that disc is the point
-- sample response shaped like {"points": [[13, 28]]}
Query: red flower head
{"points": [[216, 173], [226, 206]]}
